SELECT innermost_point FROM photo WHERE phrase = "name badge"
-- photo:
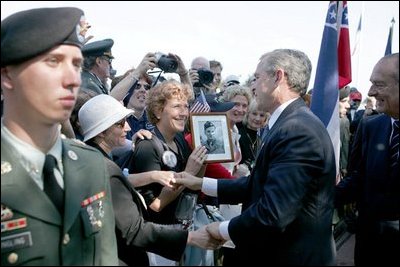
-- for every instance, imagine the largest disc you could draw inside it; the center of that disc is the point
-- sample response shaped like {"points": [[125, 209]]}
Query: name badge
{"points": [[17, 241]]}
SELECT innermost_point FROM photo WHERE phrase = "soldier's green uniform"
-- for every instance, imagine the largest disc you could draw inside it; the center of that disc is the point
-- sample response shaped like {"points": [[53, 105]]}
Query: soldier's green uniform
{"points": [[33, 232], [40, 64]]}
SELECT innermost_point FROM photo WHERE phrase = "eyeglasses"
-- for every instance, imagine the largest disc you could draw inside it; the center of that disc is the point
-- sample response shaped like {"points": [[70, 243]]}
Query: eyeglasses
{"points": [[109, 60], [145, 86], [121, 123]]}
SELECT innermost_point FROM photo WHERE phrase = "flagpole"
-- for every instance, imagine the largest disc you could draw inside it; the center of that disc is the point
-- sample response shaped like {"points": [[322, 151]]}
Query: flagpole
{"points": [[388, 49]]}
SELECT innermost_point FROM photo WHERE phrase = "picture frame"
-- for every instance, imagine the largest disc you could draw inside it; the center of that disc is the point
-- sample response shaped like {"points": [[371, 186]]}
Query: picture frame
{"points": [[212, 131]]}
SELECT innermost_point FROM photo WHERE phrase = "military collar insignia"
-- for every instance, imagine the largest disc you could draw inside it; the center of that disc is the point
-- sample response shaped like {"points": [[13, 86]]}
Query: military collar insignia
{"points": [[6, 213], [5, 167]]}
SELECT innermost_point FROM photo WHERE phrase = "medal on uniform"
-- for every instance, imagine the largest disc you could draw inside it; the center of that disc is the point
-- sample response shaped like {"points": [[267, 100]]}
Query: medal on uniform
{"points": [[169, 159]]}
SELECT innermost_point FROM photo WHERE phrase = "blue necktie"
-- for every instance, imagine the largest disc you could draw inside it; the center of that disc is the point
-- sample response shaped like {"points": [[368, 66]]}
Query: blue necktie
{"points": [[394, 145], [264, 134], [51, 187]]}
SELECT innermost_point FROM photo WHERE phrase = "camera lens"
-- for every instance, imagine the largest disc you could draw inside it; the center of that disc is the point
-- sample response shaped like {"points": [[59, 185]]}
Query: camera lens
{"points": [[205, 76]]}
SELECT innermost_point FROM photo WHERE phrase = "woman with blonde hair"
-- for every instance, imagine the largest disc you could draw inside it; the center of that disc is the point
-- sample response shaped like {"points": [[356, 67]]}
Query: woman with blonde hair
{"points": [[249, 140]]}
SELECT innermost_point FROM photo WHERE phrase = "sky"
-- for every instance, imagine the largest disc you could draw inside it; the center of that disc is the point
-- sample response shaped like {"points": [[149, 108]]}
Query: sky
{"points": [[236, 33]]}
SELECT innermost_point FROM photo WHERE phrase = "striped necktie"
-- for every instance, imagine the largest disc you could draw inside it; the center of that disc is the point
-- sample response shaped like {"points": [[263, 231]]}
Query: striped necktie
{"points": [[51, 187], [394, 145]]}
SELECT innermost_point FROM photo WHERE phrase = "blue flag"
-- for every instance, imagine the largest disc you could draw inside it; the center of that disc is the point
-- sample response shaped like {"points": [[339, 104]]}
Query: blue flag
{"points": [[326, 85], [325, 96]]}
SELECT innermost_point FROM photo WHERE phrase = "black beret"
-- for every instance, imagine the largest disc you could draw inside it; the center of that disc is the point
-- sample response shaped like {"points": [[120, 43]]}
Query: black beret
{"points": [[29, 33], [98, 48]]}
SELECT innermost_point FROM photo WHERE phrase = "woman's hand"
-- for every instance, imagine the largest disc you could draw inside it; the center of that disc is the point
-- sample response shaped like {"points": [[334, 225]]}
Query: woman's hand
{"points": [[196, 160]]}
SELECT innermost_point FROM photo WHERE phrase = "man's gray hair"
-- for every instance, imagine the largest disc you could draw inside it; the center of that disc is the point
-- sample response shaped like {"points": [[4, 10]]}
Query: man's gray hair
{"points": [[296, 65]]}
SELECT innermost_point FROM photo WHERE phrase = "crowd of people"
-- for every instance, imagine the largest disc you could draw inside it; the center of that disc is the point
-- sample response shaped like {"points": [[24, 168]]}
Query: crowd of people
{"points": [[100, 174]]}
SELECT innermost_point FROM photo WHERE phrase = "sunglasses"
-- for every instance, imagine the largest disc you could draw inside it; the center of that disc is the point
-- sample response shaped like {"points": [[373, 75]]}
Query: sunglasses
{"points": [[145, 86], [121, 123]]}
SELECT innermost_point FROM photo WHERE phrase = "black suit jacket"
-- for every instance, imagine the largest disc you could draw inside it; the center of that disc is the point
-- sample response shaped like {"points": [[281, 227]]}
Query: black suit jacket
{"points": [[136, 235], [375, 188], [288, 198]]}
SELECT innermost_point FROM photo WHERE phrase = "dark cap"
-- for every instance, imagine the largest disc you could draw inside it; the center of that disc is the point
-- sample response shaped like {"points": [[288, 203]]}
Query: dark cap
{"points": [[98, 48], [344, 92], [208, 124], [216, 105], [29, 33]]}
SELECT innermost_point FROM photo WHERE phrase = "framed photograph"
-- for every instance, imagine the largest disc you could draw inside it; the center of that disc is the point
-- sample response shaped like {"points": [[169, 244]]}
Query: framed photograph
{"points": [[211, 130]]}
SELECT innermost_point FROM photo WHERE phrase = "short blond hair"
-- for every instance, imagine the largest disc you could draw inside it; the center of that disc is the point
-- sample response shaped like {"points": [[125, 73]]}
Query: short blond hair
{"points": [[158, 96]]}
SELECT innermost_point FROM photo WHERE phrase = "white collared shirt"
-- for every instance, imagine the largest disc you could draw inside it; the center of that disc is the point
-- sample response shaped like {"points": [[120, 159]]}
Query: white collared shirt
{"points": [[33, 159], [210, 185]]}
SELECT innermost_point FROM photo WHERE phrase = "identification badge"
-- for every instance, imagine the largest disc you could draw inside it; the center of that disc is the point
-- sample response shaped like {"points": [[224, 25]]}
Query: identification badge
{"points": [[13, 242], [169, 159]]}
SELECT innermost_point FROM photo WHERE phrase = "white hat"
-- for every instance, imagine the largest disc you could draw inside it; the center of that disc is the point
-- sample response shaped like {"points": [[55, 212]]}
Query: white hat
{"points": [[231, 79], [100, 113]]}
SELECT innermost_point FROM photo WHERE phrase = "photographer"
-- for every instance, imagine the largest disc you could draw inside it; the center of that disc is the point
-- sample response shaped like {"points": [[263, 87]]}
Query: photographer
{"points": [[201, 76], [133, 90], [149, 62]]}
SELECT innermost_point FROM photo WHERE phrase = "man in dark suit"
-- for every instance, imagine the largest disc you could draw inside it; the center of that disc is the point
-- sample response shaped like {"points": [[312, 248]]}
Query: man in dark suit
{"points": [[373, 173], [288, 198], [55, 193]]}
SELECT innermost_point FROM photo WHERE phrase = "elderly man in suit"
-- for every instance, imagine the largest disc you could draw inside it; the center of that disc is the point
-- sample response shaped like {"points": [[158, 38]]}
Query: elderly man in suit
{"points": [[55, 193], [373, 172], [288, 197]]}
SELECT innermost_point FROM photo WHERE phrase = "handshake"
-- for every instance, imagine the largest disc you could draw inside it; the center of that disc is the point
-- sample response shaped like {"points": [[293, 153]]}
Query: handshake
{"points": [[206, 237]]}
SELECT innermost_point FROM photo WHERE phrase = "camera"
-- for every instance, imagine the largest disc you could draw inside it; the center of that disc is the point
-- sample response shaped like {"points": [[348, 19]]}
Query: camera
{"points": [[205, 77], [166, 63]]}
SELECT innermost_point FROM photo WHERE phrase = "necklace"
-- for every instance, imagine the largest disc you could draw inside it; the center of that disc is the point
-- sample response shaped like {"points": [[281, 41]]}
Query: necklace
{"points": [[252, 143]]}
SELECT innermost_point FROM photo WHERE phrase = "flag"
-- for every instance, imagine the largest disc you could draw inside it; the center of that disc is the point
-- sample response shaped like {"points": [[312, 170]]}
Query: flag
{"points": [[344, 57], [200, 104], [358, 37], [388, 49], [333, 71]]}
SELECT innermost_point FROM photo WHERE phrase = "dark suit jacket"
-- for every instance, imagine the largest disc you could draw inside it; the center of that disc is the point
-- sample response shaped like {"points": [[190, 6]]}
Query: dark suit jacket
{"points": [[135, 235], [288, 198], [48, 238], [373, 185]]}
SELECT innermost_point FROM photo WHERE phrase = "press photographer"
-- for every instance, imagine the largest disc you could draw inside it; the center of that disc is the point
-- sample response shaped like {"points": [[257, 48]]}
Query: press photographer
{"points": [[201, 76]]}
